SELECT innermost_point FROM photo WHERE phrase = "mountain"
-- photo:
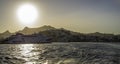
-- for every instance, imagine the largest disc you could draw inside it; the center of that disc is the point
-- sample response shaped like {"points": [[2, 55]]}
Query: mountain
{"points": [[28, 31], [5, 34], [63, 35], [100, 34]]}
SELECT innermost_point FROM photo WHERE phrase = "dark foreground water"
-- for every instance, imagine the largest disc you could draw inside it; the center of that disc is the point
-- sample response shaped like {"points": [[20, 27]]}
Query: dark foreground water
{"points": [[56, 53]]}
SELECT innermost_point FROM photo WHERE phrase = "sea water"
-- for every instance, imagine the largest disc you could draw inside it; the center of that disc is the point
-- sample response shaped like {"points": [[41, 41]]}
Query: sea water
{"points": [[60, 53]]}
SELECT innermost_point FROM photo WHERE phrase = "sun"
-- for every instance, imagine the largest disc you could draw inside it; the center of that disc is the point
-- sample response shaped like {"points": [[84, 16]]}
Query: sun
{"points": [[27, 14]]}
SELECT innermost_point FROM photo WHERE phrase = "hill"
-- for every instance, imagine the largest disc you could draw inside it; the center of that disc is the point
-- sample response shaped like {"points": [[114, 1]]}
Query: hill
{"points": [[5, 34], [63, 35], [28, 31]]}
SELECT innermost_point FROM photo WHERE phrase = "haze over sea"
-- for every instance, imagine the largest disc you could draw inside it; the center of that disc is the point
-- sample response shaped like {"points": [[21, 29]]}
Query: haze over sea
{"points": [[60, 53]]}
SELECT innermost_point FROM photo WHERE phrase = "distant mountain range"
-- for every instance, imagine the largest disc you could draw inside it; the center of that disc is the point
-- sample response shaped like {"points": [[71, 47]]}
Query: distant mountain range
{"points": [[28, 31], [63, 35], [5, 34]]}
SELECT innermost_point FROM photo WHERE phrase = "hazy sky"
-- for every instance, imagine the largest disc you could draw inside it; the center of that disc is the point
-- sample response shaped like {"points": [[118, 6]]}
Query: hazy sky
{"points": [[84, 16]]}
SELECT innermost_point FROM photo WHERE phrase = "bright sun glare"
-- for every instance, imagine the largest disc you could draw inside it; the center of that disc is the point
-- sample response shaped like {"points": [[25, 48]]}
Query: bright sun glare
{"points": [[27, 14]]}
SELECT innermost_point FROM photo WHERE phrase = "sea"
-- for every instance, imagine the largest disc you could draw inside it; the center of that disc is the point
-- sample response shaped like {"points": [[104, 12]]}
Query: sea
{"points": [[61, 53]]}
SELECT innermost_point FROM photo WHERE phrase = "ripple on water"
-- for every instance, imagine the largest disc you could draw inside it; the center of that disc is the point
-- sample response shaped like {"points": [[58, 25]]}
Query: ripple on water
{"points": [[80, 53]]}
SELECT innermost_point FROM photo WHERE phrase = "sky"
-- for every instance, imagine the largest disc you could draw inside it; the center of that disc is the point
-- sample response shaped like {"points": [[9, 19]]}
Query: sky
{"points": [[85, 16]]}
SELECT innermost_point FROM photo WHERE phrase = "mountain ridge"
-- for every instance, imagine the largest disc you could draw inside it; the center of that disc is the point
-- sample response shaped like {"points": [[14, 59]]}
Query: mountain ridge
{"points": [[5, 34], [63, 35], [28, 30]]}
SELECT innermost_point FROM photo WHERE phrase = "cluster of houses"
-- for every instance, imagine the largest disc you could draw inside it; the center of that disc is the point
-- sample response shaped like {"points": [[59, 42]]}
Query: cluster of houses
{"points": [[21, 38]]}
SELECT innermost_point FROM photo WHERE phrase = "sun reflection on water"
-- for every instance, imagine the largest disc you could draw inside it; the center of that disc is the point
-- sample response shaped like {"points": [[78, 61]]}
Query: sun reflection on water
{"points": [[26, 50], [27, 53]]}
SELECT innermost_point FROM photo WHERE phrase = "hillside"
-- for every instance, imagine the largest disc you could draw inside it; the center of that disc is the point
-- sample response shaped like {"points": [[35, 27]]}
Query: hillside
{"points": [[63, 35], [5, 34], [28, 31]]}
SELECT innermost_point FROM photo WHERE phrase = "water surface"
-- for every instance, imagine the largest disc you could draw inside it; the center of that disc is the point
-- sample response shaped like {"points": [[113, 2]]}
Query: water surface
{"points": [[60, 53]]}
